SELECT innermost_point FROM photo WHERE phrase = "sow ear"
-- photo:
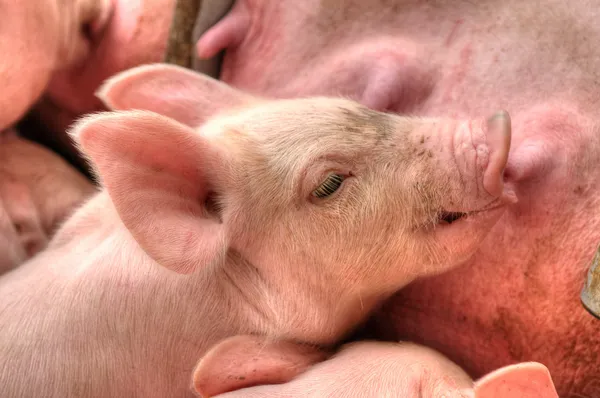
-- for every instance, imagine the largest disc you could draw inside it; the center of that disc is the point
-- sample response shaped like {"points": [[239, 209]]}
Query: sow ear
{"points": [[186, 96], [155, 171], [526, 380], [246, 361]]}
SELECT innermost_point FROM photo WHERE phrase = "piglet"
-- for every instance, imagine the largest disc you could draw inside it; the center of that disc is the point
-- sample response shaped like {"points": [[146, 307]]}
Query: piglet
{"points": [[251, 366], [230, 215], [38, 191]]}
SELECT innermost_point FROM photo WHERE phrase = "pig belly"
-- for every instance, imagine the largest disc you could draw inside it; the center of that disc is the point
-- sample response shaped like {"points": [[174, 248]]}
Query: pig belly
{"points": [[518, 298]]}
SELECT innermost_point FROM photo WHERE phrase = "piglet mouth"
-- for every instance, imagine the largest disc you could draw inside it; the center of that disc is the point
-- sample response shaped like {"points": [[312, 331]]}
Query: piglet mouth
{"points": [[448, 217], [445, 217]]}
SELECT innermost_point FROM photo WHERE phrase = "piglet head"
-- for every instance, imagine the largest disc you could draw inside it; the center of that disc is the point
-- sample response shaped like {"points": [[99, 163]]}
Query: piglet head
{"points": [[313, 195]]}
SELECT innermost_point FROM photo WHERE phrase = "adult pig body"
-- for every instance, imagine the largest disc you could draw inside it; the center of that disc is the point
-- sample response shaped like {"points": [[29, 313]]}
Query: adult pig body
{"points": [[98, 314], [518, 298]]}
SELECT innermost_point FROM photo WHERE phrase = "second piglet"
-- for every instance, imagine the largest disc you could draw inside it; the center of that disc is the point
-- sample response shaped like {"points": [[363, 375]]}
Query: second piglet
{"points": [[290, 219], [367, 369]]}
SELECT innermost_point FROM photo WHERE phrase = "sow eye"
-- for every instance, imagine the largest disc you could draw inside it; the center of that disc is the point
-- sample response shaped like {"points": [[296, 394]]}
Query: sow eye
{"points": [[331, 184]]}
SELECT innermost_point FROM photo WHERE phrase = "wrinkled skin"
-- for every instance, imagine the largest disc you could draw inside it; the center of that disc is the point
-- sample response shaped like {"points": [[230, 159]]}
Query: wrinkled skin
{"points": [[38, 190], [518, 298], [243, 202]]}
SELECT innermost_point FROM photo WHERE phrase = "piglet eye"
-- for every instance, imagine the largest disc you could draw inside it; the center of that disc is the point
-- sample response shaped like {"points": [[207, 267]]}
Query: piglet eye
{"points": [[331, 184]]}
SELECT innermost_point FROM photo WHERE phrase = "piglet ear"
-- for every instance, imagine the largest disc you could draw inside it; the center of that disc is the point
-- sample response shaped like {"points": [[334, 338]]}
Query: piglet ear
{"points": [[526, 380], [246, 361], [155, 171], [184, 95]]}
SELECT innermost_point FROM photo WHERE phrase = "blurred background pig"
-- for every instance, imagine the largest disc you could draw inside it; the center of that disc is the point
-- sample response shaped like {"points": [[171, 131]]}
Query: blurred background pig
{"points": [[39, 38], [450, 58], [37, 187], [38, 190]]}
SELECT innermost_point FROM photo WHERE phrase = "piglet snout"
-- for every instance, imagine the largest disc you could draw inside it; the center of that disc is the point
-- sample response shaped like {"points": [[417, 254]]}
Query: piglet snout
{"points": [[498, 134]]}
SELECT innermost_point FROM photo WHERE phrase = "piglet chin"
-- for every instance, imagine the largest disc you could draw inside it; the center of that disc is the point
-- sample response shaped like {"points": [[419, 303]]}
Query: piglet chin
{"points": [[462, 232], [461, 237]]}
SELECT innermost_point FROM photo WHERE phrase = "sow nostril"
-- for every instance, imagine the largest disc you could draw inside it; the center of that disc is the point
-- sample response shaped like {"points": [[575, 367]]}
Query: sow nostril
{"points": [[498, 137]]}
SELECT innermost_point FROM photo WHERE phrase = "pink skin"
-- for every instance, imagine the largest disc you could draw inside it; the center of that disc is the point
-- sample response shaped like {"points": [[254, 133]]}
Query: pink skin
{"points": [[38, 38], [67, 48], [457, 59], [518, 298], [232, 199], [58, 52], [251, 366], [135, 34], [38, 190]]}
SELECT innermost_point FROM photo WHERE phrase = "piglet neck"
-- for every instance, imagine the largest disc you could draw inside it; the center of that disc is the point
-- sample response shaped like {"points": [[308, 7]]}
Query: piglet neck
{"points": [[293, 308]]}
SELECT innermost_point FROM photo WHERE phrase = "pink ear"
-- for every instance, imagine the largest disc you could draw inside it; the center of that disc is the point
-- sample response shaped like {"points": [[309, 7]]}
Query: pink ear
{"points": [[246, 361], [525, 380], [186, 96], [154, 170]]}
